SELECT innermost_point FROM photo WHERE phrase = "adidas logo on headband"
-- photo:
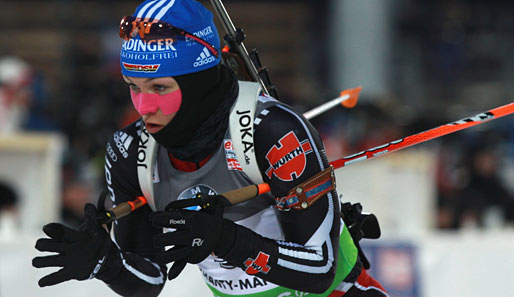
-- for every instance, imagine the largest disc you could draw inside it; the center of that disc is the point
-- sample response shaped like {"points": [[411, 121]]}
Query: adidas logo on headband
{"points": [[204, 58]]}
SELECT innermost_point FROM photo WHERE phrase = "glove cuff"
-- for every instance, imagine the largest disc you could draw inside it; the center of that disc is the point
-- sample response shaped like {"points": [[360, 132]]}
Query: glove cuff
{"points": [[111, 266], [227, 238]]}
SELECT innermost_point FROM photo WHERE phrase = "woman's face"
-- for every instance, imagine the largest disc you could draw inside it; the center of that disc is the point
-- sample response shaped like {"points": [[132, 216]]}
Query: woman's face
{"points": [[154, 121]]}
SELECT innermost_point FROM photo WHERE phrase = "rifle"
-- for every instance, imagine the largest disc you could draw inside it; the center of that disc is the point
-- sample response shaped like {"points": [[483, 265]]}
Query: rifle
{"points": [[247, 66]]}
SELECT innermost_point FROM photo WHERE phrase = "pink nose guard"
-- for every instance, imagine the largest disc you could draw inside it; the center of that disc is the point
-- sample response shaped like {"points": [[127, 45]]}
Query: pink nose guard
{"points": [[147, 103]]}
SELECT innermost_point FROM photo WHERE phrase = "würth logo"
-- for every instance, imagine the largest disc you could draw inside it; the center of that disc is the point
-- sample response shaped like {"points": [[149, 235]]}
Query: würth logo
{"points": [[287, 160], [260, 264], [141, 67], [205, 57]]}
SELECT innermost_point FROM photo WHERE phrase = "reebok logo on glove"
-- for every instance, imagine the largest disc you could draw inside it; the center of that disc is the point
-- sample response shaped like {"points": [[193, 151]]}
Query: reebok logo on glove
{"points": [[196, 236], [197, 242], [177, 222]]}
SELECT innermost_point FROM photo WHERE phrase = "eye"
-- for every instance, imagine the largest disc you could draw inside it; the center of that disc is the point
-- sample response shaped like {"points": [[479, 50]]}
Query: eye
{"points": [[159, 88], [134, 88]]}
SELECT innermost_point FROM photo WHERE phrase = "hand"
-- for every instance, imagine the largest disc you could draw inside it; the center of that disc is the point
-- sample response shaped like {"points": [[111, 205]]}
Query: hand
{"points": [[197, 235], [80, 253]]}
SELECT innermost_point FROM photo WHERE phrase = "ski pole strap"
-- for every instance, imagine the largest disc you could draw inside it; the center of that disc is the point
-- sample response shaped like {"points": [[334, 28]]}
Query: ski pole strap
{"points": [[305, 194]]}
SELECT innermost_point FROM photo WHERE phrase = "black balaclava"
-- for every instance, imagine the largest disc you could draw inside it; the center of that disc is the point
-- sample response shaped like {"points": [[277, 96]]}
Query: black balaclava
{"points": [[202, 120]]}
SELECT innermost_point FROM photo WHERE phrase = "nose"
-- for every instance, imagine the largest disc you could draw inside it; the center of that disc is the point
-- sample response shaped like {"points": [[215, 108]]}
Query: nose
{"points": [[143, 103], [147, 109]]}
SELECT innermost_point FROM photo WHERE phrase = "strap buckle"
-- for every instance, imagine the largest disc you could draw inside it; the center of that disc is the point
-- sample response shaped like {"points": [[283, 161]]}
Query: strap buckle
{"points": [[307, 193]]}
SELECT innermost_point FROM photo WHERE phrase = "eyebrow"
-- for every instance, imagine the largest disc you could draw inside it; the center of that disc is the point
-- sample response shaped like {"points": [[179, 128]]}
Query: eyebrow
{"points": [[127, 80]]}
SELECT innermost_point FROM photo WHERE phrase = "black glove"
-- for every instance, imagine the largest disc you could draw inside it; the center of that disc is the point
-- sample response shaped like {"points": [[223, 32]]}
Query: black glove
{"points": [[81, 253], [197, 234]]}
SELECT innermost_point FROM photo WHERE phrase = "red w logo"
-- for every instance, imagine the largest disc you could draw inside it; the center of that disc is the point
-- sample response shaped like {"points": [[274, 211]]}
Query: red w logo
{"points": [[287, 161], [257, 265]]}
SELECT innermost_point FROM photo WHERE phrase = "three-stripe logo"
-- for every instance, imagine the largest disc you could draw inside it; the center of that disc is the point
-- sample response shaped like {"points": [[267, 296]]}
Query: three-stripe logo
{"points": [[205, 57]]}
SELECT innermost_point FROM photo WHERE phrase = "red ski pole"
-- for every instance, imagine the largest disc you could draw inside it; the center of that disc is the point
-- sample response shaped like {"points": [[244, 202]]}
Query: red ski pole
{"points": [[249, 192], [402, 143], [425, 136]]}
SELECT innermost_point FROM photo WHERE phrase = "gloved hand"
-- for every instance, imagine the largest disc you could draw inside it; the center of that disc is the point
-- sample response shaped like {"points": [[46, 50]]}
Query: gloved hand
{"points": [[80, 253], [197, 234]]}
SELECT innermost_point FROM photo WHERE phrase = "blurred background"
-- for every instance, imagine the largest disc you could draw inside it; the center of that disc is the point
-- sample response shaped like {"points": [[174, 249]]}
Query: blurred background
{"points": [[446, 207]]}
